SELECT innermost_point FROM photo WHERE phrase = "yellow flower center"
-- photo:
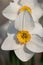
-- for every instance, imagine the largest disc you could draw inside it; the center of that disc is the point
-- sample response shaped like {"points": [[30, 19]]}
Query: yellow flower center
{"points": [[23, 36], [23, 8]]}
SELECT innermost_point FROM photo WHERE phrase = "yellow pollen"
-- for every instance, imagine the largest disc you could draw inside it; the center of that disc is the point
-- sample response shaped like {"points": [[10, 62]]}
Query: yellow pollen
{"points": [[23, 37], [23, 8]]}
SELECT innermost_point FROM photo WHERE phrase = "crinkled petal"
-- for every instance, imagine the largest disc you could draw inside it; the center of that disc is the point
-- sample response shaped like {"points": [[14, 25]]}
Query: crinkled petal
{"points": [[24, 21], [23, 54], [36, 13], [11, 11], [36, 44], [10, 43], [37, 30]]}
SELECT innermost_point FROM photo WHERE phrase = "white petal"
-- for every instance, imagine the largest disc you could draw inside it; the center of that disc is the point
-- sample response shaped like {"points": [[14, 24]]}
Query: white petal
{"points": [[11, 28], [36, 13], [9, 43], [24, 21], [37, 29], [36, 44], [11, 11], [23, 54], [29, 3]]}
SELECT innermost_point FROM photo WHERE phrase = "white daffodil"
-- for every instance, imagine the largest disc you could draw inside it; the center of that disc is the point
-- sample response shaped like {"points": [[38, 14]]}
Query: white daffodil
{"points": [[11, 11], [37, 12], [26, 39]]}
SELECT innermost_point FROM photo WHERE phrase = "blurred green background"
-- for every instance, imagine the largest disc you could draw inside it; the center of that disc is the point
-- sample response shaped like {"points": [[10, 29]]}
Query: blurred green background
{"points": [[9, 57]]}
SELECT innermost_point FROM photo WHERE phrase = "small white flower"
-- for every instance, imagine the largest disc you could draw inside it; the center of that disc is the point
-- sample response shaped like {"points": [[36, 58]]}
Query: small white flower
{"points": [[37, 12], [27, 37], [11, 11]]}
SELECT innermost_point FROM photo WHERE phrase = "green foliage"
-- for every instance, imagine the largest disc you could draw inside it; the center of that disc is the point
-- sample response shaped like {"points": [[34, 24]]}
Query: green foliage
{"points": [[13, 60]]}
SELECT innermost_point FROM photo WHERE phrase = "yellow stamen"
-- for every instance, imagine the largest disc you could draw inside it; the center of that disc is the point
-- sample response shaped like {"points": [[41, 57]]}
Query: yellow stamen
{"points": [[23, 37], [23, 8]]}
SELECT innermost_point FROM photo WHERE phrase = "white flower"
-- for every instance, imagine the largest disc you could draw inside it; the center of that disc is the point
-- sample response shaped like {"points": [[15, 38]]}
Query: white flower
{"points": [[37, 12], [11, 11], [26, 39]]}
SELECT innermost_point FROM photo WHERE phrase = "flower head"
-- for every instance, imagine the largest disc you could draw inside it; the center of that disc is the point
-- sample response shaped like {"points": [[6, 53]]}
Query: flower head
{"points": [[37, 11], [23, 36], [27, 37]]}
